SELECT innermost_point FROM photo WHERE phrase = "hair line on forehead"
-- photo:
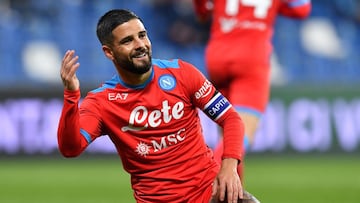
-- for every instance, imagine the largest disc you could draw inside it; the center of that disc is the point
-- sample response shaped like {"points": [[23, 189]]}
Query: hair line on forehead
{"points": [[110, 20]]}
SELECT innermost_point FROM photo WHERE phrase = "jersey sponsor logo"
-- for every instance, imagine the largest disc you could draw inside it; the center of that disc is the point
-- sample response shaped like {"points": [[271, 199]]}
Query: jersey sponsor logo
{"points": [[169, 140], [113, 96], [204, 90], [141, 118], [144, 149], [217, 106], [167, 82], [132, 128]]}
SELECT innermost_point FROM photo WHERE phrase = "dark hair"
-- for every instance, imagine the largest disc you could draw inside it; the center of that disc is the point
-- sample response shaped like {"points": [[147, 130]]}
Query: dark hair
{"points": [[109, 21]]}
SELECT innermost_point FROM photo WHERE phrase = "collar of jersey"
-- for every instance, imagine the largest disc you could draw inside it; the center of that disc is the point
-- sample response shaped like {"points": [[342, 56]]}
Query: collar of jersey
{"points": [[141, 86]]}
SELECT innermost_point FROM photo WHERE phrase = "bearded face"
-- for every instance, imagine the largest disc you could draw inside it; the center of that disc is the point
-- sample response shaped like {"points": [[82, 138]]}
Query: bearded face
{"points": [[138, 61], [131, 48]]}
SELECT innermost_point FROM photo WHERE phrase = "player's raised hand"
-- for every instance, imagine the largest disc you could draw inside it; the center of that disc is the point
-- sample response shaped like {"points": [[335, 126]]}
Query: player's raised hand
{"points": [[227, 184], [68, 69]]}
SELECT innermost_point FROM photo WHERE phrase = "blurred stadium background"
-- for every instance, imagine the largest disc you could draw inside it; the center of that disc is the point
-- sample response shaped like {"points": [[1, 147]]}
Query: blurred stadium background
{"points": [[307, 147]]}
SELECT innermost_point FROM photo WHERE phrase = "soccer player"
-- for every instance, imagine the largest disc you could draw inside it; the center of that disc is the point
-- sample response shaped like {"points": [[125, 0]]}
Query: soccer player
{"points": [[238, 53], [149, 111]]}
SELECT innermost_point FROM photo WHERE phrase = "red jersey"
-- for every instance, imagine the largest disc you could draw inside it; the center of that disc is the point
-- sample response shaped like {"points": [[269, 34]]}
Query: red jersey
{"points": [[243, 28], [156, 130]]}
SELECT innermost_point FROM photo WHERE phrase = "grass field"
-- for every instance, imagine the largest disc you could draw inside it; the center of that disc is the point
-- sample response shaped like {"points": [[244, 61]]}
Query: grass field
{"points": [[90, 179]]}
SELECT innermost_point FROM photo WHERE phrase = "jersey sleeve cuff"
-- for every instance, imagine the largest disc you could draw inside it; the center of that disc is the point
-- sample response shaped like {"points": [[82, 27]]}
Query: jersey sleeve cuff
{"points": [[71, 96], [233, 156]]}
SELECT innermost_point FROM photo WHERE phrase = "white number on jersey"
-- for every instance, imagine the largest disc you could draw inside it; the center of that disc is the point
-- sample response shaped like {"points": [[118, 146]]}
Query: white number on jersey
{"points": [[261, 7]]}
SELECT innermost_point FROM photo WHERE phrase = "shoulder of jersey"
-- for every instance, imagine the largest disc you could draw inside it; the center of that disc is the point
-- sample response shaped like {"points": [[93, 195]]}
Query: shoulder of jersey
{"points": [[109, 84], [162, 63]]}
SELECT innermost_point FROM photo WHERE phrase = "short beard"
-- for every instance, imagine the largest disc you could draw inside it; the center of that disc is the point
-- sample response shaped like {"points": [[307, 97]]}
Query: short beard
{"points": [[129, 66]]}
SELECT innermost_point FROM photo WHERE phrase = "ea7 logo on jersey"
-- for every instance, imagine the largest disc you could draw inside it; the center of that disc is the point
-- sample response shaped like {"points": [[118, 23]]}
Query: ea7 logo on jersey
{"points": [[204, 90], [112, 96]]}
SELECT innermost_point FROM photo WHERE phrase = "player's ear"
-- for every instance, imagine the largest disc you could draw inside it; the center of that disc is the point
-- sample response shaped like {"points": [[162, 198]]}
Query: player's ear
{"points": [[108, 52]]}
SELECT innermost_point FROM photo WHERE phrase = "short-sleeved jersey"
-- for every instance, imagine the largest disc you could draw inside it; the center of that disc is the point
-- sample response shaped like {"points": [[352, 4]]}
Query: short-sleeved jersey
{"points": [[243, 28], [155, 128]]}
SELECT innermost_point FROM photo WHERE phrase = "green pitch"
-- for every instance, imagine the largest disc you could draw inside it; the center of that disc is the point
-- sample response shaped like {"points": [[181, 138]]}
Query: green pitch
{"points": [[304, 179], [90, 179]]}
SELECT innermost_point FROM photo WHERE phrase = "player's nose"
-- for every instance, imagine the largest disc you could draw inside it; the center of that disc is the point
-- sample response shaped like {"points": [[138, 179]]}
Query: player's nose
{"points": [[139, 43]]}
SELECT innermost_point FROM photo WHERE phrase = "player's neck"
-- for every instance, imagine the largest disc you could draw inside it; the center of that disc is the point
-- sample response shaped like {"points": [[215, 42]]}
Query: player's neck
{"points": [[134, 79]]}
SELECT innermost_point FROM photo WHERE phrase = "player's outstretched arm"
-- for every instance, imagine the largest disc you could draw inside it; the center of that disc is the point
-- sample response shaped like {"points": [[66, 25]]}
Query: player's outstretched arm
{"points": [[68, 69], [71, 142]]}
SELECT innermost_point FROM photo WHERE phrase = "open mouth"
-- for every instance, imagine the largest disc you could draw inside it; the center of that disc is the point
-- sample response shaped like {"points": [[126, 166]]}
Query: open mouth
{"points": [[140, 55]]}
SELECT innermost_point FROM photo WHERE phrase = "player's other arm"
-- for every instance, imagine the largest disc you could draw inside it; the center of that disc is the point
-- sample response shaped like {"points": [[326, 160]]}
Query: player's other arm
{"points": [[205, 96], [295, 8], [233, 133], [70, 141], [225, 183]]}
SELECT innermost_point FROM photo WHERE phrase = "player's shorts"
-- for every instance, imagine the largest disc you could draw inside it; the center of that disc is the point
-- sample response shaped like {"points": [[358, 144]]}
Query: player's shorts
{"points": [[247, 88]]}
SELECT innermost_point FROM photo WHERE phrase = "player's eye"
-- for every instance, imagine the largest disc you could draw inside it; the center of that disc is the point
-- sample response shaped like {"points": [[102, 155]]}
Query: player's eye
{"points": [[126, 40], [142, 34]]}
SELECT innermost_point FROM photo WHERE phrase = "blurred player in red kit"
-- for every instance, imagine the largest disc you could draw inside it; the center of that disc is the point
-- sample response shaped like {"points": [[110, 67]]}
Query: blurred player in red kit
{"points": [[238, 53], [149, 111]]}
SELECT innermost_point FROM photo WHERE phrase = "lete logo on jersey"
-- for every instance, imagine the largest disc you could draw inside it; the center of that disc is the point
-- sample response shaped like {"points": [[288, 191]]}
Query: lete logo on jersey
{"points": [[141, 118]]}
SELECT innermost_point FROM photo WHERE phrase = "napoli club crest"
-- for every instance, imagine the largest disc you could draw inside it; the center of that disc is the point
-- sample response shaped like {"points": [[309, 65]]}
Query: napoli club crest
{"points": [[167, 82]]}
